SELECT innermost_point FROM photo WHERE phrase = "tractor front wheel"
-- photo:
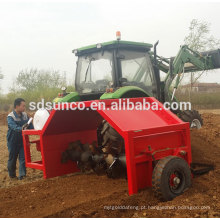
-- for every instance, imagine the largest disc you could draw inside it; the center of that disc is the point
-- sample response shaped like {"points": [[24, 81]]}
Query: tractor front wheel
{"points": [[193, 117], [171, 177]]}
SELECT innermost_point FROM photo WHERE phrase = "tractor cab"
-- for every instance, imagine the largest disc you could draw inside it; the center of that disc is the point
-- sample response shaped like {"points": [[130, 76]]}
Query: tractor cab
{"points": [[111, 65], [106, 67]]}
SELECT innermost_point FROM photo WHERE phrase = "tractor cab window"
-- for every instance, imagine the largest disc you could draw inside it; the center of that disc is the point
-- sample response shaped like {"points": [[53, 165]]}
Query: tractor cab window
{"points": [[137, 70], [94, 72]]}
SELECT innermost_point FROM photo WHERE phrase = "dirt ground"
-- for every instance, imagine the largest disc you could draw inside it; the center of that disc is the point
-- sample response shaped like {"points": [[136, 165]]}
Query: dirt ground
{"points": [[97, 196]]}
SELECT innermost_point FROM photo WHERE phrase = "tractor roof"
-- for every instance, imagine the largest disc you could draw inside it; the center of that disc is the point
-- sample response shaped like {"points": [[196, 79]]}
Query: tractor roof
{"points": [[111, 45]]}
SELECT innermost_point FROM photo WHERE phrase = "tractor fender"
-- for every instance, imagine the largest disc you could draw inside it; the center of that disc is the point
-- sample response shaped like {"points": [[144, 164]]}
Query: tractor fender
{"points": [[125, 92], [71, 97]]}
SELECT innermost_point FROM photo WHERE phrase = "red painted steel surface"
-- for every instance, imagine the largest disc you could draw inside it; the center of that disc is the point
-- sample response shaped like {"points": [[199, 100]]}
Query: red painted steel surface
{"points": [[149, 135]]}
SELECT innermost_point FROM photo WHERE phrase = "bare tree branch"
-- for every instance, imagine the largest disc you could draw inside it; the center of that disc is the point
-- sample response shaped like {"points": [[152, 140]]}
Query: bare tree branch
{"points": [[199, 39]]}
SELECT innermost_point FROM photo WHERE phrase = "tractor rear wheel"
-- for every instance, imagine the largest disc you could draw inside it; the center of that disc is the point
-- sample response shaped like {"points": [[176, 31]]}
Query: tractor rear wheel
{"points": [[171, 177], [111, 139], [193, 117], [112, 144]]}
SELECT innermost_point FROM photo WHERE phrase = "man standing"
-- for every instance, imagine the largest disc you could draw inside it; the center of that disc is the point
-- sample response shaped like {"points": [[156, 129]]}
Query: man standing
{"points": [[17, 121]]}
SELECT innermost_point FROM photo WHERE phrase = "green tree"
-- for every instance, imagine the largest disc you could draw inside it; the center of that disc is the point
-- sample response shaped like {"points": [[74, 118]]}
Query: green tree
{"points": [[34, 85], [35, 79]]}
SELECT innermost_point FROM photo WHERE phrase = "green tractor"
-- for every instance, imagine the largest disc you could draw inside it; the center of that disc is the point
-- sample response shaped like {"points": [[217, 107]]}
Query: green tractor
{"points": [[125, 69]]}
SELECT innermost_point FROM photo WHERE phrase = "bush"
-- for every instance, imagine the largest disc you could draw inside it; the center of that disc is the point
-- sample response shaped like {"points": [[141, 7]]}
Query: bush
{"points": [[34, 85], [48, 94]]}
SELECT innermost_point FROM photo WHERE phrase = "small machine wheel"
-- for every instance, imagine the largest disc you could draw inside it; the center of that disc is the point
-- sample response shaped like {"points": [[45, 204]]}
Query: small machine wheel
{"points": [[171, 177], [193, 117]]}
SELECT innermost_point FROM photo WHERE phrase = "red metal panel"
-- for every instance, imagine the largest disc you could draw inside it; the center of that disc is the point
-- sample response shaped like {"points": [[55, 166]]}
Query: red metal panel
{"points": [[54, 145], [67, 121], [160, 130], [28, 144], [136, 120], [61, 128], [156, 143], [130, 162], [146, 133], [36, 165], [26, 148]]}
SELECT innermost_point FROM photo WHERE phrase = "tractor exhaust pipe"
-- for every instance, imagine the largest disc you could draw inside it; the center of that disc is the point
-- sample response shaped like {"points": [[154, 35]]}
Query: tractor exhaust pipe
{"points": [[155, 52]]}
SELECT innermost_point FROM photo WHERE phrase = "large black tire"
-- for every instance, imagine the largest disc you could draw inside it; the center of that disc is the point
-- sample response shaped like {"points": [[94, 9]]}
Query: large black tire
{"points": [[113, 144], [111, 138], [171, 177], [193, 117]]}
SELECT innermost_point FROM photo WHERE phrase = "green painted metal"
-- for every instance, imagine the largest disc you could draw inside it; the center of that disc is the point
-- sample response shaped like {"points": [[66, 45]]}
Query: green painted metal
{"points": [[163, 63], [114, 43], [185, 55], [121, 91], [71, 97], [203, 61], [56, 100], [200, 61], [107, 95]]}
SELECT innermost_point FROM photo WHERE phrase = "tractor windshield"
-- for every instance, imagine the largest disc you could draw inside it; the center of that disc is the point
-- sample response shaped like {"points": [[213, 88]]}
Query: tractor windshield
{"points": [[137, 70], [94, 72]]}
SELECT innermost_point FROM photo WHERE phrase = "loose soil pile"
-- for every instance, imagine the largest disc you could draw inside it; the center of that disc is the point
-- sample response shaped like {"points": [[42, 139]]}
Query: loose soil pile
{"points": [[98, 196]]}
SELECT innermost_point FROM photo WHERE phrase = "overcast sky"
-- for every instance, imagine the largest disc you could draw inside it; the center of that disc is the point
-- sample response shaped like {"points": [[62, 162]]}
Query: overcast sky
{"points": [[42, 34]]}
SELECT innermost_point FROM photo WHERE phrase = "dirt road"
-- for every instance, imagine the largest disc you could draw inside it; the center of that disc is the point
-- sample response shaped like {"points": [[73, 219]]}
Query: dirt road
{"points": [[97, 196]]}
